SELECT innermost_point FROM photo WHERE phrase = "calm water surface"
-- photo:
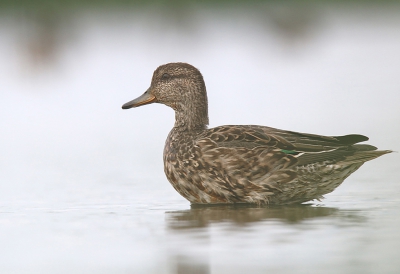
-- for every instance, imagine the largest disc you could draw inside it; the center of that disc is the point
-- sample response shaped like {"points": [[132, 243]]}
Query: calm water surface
{"points": [[101, 230], [82, 188]]}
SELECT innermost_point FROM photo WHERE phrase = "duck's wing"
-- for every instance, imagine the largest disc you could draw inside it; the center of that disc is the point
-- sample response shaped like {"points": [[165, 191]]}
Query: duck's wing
{"points": [[251, 136], [311, 148], [264, 155]]}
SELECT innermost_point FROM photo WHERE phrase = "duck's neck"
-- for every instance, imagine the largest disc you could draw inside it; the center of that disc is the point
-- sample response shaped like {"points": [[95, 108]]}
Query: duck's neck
{"points": [[192, 115]]}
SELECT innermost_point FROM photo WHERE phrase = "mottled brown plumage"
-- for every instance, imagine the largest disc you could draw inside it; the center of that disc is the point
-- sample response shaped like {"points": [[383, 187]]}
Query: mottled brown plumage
{"points": [[244, 163]]}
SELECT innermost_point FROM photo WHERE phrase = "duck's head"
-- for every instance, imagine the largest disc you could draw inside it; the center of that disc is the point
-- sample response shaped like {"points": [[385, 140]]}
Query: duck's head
{"points": [[181, 87]]}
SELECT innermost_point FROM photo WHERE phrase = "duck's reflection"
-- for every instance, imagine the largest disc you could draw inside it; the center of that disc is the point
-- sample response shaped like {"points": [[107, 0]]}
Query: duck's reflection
{"points": [[197, 216], [183, 264], [191, 239]]}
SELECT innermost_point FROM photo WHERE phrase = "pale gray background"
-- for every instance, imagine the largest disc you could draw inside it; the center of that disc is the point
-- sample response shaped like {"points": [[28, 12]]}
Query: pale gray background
{"points": [[82, 187]]}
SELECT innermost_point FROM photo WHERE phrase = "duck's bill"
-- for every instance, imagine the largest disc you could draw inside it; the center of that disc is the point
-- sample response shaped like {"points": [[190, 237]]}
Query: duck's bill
{"points": [[146, 98]]}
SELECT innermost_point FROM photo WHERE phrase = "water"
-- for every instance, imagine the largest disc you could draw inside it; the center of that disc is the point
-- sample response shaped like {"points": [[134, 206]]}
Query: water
{"points": [[82, 188], [121, 228]]}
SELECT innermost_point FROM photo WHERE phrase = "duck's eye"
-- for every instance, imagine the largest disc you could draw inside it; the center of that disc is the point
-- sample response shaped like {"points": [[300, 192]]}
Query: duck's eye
{"points": [[165, 76]]}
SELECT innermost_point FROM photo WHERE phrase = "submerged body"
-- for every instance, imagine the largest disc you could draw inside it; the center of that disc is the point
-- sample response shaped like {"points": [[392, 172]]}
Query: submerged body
{"points": [[244, 163]]}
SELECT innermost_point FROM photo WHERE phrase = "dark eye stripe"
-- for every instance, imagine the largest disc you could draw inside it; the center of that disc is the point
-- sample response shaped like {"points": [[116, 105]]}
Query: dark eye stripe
{"points": [[167, 76]]}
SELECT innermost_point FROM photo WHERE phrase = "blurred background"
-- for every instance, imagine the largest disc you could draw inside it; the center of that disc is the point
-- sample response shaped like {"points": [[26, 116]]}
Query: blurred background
{"points": [[66, 68]]}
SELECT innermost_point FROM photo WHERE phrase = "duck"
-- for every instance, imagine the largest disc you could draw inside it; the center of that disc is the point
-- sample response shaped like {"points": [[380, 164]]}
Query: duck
{"points": [[244, 164]]}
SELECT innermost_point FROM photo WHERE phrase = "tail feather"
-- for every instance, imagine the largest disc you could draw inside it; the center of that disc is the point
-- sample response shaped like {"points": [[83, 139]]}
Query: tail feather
{"points": [[364, 156]]}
